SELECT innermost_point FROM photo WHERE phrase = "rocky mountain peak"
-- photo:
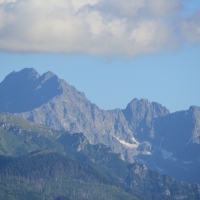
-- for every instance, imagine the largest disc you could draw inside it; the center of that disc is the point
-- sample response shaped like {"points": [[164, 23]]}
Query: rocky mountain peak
{"points": [[143, 106], [194, 109], [29, 73], [25, 74], [48, 75], [143, 111], [25, 90]]}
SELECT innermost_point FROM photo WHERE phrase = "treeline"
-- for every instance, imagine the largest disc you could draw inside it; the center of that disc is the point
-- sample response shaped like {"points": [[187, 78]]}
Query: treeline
{"points": [[48, 164], [48, 175]]}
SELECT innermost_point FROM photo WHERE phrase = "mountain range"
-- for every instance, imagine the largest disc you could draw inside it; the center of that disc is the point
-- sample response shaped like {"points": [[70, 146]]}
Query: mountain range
{"points": [[36, 161], [144, 132]]}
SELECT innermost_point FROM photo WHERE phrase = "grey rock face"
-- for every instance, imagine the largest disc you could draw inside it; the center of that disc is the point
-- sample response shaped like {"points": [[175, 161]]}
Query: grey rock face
{"points": [[140, 115], [176, 149], [143, 131]]}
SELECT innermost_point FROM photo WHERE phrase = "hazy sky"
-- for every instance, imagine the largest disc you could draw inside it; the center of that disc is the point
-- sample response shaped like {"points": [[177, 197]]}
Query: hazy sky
{"points": [[111, 50]]}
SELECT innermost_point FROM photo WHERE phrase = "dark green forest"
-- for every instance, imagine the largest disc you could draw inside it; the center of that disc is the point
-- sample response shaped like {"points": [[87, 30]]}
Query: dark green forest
{"points": [[48, 175]]}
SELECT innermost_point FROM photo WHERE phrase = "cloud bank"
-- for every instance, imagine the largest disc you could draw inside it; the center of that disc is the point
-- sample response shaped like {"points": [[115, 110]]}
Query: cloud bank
{"points": [[105, 27]]}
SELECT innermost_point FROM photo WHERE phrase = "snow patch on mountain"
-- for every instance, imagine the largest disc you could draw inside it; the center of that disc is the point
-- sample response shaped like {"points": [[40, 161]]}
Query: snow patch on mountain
{"points": [[145, 153], [129, 145], [167, 155]]}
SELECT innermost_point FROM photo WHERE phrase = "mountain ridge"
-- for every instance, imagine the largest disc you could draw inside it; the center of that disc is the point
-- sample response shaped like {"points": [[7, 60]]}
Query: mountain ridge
{"points": [[136, 132]]}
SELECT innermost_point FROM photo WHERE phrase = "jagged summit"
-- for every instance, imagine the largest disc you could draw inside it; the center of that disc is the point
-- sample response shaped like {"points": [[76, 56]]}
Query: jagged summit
{"points": [[27, 73], [26, 90], [48, 75], [145, 104], [140, 115]]}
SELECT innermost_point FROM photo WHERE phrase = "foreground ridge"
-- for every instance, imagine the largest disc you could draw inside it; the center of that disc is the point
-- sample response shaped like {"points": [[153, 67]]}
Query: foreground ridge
{"points": [[52, 162]]}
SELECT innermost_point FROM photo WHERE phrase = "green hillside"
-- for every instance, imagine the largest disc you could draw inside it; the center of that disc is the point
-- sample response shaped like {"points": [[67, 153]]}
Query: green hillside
{"points": [[19, 136]]}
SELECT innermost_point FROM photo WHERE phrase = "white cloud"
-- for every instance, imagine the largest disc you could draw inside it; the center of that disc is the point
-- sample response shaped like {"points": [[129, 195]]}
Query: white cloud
{"points": [[129, 27]]}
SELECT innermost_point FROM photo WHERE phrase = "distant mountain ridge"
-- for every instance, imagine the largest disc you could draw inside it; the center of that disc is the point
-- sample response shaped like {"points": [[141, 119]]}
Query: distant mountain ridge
{"points": [[144, 132]]}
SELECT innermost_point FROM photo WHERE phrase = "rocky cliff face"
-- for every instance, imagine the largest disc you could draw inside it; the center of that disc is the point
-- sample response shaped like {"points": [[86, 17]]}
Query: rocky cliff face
{"points": [[143, 131], [175, 149], [140, 115]]}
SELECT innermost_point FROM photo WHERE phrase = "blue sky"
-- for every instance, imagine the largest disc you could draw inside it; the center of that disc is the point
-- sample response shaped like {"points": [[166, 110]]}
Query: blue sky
{"points": [[152, 54]]}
